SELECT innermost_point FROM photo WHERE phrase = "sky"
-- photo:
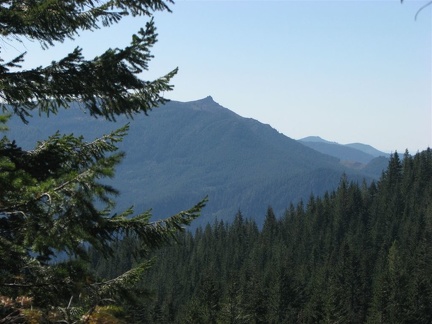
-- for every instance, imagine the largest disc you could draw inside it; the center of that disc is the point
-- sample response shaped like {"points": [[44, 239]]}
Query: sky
{"points": [[347, 71]]}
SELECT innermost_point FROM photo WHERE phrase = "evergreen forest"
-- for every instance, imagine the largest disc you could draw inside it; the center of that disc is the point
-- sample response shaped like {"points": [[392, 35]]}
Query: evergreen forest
{"points": [[70, 254], [54, 202], [359, 254]]}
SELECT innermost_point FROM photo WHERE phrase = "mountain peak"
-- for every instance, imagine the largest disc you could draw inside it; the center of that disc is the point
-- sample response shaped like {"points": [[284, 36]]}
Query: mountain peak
{"points": [[206, 104], [315, 139], [208, 98]]}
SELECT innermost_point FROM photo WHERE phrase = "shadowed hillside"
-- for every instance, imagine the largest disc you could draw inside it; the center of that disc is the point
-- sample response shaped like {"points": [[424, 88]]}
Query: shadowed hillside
{"points": [[184, 151]]}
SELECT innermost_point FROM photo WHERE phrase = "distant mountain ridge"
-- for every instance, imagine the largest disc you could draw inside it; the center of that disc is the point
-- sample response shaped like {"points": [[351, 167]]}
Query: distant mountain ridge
{"points": [[184, 151], [354, 152], [367, 149]]}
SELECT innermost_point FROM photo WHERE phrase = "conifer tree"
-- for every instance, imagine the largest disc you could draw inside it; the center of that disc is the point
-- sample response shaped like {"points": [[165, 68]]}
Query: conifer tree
{"points": [[54, 204]]}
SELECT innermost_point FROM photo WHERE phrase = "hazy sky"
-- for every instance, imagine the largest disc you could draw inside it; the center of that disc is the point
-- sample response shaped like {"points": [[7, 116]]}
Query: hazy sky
{"points": [[348, 71]]}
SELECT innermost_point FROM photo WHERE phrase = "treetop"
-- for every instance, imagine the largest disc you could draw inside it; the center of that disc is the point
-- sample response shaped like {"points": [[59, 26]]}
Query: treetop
{"points": [[50, 21], [107, 85]]}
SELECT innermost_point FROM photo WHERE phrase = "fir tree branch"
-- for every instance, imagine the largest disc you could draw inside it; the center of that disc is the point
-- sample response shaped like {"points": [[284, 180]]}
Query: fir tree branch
{"points": [[106, 86], [157, 233], [50, 21]]}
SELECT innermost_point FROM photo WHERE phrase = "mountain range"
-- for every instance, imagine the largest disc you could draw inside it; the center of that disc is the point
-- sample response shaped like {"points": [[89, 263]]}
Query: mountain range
{"points": [[360, 154], [184, 151]]}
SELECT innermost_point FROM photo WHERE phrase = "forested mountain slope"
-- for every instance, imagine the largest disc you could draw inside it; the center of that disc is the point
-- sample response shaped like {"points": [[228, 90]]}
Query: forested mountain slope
{"points": [[185, 151], [358, 254]]}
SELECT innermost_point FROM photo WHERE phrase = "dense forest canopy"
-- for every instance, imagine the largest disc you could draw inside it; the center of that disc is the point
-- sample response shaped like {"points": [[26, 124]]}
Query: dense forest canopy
{"points": [[359, 254]]}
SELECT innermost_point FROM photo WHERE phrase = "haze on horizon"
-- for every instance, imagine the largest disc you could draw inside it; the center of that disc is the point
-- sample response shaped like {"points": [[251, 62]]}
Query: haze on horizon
{"points": [[347, 71]]}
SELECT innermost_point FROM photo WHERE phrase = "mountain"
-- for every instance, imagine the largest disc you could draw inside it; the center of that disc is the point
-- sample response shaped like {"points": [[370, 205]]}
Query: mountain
{"points": [[367, 149], [349, 154], [184, 151], [315, 139]]}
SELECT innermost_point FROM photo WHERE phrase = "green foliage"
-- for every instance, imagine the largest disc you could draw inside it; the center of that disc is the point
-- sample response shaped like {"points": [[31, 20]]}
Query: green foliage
{"points": [[52, 204], [55, 203], [355, 255], [107, 85]]}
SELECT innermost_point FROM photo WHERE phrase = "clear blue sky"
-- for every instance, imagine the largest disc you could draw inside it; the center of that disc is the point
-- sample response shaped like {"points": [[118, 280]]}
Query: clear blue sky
{"points": [[348, 71]]}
